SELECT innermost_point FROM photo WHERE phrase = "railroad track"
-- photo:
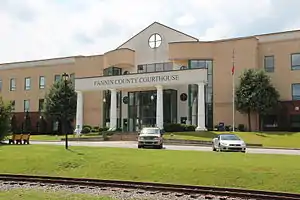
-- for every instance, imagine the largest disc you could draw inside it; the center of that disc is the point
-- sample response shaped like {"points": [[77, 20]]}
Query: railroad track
{"points": [[190, 190]]}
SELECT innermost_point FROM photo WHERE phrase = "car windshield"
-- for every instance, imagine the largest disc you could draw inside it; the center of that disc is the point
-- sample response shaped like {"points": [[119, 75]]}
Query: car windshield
{"points": [[229, 137], [150, 131]]}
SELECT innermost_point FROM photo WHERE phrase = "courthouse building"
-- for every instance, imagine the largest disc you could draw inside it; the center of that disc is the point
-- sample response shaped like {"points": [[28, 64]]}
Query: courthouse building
{"points": [[162, 75]]}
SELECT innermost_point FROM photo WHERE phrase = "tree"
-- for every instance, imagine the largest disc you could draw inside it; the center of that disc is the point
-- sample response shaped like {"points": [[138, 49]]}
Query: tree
{"points": [[255, 94], [60, 102], [14, 124], [5, 114]]}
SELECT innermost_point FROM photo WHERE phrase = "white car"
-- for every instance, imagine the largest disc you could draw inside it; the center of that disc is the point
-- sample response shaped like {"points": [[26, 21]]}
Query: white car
{"points": [[228, 142], [150, 137]]}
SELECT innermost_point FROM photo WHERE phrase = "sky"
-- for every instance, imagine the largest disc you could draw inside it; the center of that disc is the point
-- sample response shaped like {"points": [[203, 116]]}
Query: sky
{"points": [[41, 29]]}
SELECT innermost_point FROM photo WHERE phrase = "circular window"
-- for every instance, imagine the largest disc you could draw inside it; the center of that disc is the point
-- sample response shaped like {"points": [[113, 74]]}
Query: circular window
{"points": [[154, 41], [125, 100], [183, 97]]}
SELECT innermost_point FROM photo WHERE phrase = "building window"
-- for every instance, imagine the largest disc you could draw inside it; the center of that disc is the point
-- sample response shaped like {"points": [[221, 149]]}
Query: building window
{"points": [[13, 105], [27, 83], [41, 104], [155, 67], [0, 85], [12, 84], [295, 61], [72, 77], [296, 91], [42, 82], [269, 63], [57, 78], [112, 71], [26, 105], [295, 121], [154, 41]]}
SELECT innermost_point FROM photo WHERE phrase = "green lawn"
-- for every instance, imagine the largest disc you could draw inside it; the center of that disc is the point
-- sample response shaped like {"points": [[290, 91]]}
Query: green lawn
{"points": [[58, 138], [254, 171], [271, 139], [40, 194]]}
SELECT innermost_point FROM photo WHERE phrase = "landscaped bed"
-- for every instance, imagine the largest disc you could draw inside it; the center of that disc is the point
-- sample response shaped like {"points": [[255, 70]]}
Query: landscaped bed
{"points": [[253, 171]]}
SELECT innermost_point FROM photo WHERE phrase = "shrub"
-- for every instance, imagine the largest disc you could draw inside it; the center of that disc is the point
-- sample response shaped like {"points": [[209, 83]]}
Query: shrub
{"points": [[179, 127], [103, 129], [86, 129], [87, 126], [95, 129], [241, 127]]}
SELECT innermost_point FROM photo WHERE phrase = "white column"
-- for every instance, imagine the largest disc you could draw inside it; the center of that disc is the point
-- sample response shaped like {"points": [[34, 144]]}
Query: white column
{"points": [[113, 110], [201, 108], [159, 107], [79, 112]]}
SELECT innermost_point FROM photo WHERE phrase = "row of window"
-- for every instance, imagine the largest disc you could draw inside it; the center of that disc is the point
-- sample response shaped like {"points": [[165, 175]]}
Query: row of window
{"points": [[269, 62], [27, 82], [26, 105]]}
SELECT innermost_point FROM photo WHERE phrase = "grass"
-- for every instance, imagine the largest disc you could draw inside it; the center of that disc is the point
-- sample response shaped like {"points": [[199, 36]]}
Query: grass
{"points": [[22, 194], [59, 137], [253, 171], [267, 139]]}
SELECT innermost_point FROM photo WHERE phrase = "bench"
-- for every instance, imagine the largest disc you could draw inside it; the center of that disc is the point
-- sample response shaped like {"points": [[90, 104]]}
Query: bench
{"points": [[18, 138]]}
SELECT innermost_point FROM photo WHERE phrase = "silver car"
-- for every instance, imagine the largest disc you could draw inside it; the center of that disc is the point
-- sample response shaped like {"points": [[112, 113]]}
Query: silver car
{"points": [[228, 142], [150, 137]]}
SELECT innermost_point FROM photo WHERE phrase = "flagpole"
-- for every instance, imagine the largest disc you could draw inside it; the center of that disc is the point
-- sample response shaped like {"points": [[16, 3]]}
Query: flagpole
{"points": [[233, 93]]}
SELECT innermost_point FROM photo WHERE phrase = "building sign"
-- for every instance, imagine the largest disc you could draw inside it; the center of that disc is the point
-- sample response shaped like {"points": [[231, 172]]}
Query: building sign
{"points": [[169, 78], [136, 80]]}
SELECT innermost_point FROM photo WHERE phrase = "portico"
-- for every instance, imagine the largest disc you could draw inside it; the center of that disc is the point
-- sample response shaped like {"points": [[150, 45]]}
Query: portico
{"points": [[159, 81]]}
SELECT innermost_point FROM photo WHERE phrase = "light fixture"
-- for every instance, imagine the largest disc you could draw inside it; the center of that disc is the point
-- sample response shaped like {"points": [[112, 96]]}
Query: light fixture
{"points": [[104, 100], [65, 76], [152, 97]]}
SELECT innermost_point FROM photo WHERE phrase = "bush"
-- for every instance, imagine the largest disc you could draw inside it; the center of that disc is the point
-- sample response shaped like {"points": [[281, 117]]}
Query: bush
{"points": [[5, 114], [179, 127], [103, 129], [241, 127], [86, 129], [95, 129]]}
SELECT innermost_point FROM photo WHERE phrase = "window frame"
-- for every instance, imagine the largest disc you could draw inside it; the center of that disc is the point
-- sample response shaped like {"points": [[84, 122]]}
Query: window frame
{"points": [[27, 87], [297, 66], [24, 105], [12, 87], [41, 107], [267, 68], [42, 86], [292, 91], [57, 75]]}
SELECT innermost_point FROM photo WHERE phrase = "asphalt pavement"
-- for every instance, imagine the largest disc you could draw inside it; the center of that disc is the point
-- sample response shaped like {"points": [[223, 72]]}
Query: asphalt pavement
{"points": [[126, 144]]}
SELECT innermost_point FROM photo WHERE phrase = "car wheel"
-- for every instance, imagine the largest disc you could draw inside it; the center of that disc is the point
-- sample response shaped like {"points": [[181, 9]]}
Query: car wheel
{"points": [[160, 146], [140, 146], [213, 148], [243, 151], [219, 149]]}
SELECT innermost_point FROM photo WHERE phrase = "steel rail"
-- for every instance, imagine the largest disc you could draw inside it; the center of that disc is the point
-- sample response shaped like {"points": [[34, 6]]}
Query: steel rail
{"points": [[161, 187]]}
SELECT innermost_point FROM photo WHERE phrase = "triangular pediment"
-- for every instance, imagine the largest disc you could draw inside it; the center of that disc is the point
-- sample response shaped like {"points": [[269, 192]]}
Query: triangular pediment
{"points": [[169, 34]]}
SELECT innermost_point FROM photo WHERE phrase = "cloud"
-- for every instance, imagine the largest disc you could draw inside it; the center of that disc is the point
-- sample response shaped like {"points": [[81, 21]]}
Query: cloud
{"points": [[40, 29]]}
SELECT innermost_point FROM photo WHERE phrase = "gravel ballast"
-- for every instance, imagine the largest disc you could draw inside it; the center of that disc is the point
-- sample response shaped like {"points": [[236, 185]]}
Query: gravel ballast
{"points": [[116, 193]]}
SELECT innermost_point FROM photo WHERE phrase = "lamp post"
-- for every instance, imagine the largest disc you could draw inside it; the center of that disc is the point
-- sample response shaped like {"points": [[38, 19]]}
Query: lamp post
{"points": [[65, 78]]}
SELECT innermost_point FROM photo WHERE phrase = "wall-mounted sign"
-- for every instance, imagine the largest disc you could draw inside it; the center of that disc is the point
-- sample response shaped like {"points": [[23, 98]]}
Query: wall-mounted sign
{"points": [[169, 78], [135, 80]]}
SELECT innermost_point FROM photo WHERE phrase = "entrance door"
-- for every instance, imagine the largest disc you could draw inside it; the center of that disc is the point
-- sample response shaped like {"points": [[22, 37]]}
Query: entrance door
{"points": [[142, 108]]}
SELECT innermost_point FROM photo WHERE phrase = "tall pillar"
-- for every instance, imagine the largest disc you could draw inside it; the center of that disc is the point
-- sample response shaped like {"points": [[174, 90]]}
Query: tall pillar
{"points": [[201, 108], [159, 107], [79, 112], [113, 110]]}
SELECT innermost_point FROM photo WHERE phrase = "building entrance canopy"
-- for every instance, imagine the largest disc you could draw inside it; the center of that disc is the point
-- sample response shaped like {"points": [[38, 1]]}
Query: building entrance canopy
{"points": [[178, 77], [156, 79]]}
